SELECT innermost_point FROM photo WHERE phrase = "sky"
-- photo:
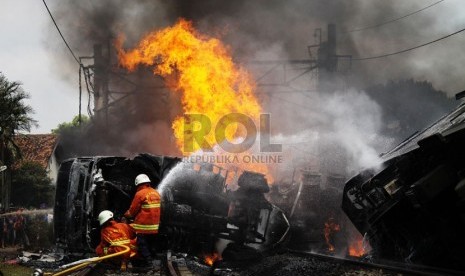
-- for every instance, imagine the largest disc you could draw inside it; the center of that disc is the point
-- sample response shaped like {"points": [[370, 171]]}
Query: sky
{"points": [[29, 51], [25, 57]]}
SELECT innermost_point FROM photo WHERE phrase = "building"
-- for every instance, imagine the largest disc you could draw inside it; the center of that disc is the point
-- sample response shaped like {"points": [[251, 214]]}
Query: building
{"points": [[40, 148]]}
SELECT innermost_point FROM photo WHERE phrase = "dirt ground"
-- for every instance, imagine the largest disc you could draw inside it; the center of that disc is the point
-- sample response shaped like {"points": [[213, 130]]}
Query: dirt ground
{"points": [[289, 265], [276, 265], [8, 264], [8, 254], [284, 264]]}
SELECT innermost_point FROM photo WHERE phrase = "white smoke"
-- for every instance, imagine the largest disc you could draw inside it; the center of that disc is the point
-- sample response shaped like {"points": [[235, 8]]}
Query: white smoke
{"points": [[341, 134], [355, 121]]}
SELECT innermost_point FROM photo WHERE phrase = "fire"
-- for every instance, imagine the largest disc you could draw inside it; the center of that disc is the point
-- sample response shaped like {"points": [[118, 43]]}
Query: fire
{"points": [[356, 249], [211, 259], [201, 69], [331, 227], [358, 246], [210, 83]]}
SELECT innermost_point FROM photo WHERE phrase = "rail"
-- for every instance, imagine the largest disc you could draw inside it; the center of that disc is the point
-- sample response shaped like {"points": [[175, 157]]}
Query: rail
{"points": [[409, 269]]}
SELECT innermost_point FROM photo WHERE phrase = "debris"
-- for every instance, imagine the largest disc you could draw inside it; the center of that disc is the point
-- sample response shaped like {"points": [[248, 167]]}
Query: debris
{"points": [[198, 208]]}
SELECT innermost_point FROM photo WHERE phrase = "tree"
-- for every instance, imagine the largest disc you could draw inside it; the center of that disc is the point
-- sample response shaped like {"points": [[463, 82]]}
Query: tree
{"points": [[69, 127], [15, 116], [31, 186]]}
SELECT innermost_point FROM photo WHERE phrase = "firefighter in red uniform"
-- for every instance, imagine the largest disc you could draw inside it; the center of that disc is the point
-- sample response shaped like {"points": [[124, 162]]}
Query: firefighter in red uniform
{"points": [[145, 210], [115, 233]]}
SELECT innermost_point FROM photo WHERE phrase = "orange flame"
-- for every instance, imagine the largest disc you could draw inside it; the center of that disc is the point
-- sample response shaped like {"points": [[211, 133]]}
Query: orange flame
{"points": [[330, 228], [211, 259], [210, 83], [201, 69], [357, 248]]}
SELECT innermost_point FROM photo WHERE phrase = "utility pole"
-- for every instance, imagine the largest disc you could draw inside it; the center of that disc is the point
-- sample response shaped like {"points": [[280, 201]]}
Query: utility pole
{"points": [[100, 84], [4, 188], [5, 192], [328, 60], [330, 70]]}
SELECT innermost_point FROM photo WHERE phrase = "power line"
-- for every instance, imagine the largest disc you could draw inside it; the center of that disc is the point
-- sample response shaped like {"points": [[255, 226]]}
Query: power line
{"points": [[392, 20], [289, 102], [409, 49], [58, 29], [286, 92]]}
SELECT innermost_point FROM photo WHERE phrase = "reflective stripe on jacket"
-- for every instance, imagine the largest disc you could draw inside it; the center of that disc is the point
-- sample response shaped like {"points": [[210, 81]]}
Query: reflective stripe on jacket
{"points": [[145, 209], [114, 233]]}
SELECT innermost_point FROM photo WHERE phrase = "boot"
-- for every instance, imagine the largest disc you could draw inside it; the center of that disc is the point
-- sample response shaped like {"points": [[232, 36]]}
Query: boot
{"points": [[124, 265]]}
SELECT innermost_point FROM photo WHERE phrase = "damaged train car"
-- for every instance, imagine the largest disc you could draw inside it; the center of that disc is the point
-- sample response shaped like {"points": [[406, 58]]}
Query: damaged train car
{"points": [[412, 207], [198, 208]]}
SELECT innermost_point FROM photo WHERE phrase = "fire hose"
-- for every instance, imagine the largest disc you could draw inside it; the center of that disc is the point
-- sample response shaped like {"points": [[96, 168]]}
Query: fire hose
{"points": [[84, 263]]}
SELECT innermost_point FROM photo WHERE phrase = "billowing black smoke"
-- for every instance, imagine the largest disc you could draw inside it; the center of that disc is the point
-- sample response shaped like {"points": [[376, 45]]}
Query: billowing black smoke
{"points": [[253, 27], [272, 30]]}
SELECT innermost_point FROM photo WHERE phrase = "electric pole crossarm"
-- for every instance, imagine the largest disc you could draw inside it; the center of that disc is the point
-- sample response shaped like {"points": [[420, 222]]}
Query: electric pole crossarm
{"points": [[283, 61]]}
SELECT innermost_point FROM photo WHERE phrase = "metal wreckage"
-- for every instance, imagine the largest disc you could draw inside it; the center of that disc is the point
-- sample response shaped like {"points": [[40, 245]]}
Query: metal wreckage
{"points": [[198, 209], [412, 207]]}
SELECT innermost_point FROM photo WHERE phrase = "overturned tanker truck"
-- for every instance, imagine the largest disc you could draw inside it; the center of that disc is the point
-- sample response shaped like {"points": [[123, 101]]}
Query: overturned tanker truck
{"points": [[412, 207], [198, 208]]}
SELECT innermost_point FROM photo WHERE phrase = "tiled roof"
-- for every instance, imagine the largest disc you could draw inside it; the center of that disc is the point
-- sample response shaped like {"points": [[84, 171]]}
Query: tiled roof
{"points": [[36, 147]]}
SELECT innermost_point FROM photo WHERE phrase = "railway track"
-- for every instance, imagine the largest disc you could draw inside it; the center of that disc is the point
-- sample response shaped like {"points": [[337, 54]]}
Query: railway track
{"points": [[395, 267], [179, 265], [176, 267], [170, 265]]}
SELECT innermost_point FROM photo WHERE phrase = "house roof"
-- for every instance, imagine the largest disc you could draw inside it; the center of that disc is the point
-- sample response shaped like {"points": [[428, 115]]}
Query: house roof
{"points": [[36, 147]]}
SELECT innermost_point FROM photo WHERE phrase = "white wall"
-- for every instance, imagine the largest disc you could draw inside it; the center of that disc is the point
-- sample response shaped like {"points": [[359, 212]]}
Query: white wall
{"points": [[52, 168]]}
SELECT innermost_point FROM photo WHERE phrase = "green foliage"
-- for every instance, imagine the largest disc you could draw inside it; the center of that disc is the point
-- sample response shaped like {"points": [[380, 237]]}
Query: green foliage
{"points": [[39, 231], [15, 116], [69, 127], [30, 186]]}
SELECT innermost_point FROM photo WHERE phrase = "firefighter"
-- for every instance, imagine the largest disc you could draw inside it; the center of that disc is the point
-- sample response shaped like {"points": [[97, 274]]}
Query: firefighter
{"points": [[114, 233], [145, 210], [19, 229]]}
